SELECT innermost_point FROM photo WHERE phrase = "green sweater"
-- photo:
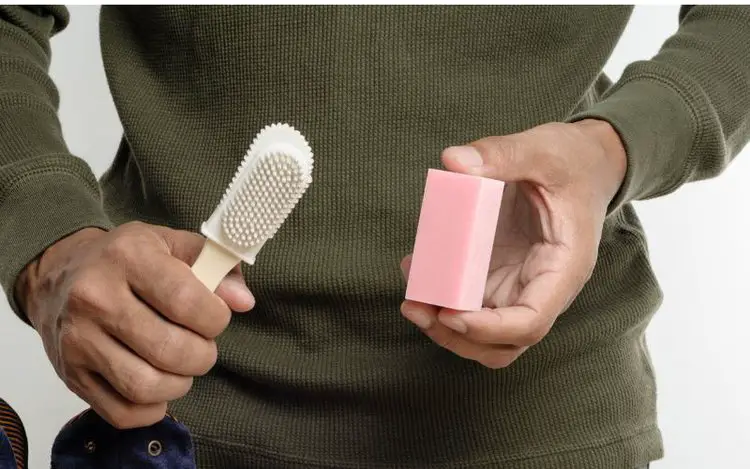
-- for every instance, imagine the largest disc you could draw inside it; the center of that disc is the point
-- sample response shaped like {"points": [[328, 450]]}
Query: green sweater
{"points": [[325, 372]]}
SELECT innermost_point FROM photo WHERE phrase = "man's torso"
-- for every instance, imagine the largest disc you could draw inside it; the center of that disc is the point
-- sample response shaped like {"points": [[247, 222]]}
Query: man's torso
{"points": [[325, 372]]}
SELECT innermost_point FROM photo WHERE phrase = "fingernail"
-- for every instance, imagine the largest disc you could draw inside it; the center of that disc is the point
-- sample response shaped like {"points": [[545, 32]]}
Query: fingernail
{"points": [[453, 322], [467, 156], [418, 317]]}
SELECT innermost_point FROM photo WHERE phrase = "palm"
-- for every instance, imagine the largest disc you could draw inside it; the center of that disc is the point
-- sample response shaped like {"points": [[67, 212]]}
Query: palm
{"points": [[560, 180], [525, 244]]}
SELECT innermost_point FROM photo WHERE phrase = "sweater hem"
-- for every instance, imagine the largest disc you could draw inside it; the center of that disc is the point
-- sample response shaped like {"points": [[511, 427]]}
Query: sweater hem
{"points": [[635, 450]]}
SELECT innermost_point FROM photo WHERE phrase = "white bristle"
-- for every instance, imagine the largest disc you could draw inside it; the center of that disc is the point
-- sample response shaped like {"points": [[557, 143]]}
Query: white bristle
{"points": [[264, 200], [268, 184], [271, 134]]}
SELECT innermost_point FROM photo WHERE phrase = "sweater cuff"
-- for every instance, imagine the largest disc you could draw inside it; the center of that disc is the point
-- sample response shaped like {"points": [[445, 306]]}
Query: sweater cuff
{"points": [[658, 128], [37, 211]]}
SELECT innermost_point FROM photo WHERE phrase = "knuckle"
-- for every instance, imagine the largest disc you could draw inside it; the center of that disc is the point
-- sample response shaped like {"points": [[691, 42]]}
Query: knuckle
{"points": [[181, 297], [209, 358], [69, 372], [82, 293], [511, 148], [185, 385], [531, 337], [69, 377], [446, 341], [534, 332], [220, 321], [69, 338], [138, 234], [499, 150], [133, 225], [140, 385], [120, 247], [124, 321], [164, 347]]}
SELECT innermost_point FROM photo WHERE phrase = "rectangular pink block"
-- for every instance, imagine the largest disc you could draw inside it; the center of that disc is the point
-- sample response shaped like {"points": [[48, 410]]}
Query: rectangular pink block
{"points": [[454, 240]]}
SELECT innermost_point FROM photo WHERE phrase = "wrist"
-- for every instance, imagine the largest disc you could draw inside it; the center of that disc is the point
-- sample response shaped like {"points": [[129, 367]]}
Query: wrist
{"points": [[29, 278], [613, 148], [21, 291]]}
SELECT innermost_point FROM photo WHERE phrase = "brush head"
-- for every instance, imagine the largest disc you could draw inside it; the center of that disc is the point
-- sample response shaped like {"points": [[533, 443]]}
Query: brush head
{"points": [[264, 200], [268, 184]]}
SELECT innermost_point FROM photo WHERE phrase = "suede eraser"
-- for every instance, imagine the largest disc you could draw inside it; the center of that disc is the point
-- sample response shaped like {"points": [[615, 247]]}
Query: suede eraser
{"points": [[454, 239]]}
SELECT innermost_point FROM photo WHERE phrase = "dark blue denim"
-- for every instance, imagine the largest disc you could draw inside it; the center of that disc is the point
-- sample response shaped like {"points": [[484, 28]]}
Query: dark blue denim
{"points": [[88, 442], [7, 460]]}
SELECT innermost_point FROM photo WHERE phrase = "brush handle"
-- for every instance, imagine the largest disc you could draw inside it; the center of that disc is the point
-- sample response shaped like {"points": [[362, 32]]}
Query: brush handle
{"points": [[213, 264]]}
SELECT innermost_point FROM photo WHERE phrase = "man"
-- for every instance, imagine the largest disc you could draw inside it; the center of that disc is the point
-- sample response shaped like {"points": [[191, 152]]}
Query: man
{"points": [[324, 372]]}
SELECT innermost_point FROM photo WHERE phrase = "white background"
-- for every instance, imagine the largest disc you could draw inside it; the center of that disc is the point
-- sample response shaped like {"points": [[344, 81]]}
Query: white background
{"points": [[698, 240]]}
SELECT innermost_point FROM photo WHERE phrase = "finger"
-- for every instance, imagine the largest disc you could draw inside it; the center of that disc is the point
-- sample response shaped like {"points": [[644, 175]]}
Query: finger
{"points": [[163, 344], [171, 288], [552, 276], [507, 158], [422, 315], [112, 407], [490, 355], [131, 376], [184, 245], [233, 290], [523, 324], [187, 246], [406, 266]]}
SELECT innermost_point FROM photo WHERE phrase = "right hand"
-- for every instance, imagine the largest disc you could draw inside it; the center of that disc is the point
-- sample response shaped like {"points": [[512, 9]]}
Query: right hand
{"points": [[124, 321]]}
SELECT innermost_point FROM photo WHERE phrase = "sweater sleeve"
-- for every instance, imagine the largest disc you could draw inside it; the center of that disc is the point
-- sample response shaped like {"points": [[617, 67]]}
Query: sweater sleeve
{"points": [[685, 114], [45, 192]]}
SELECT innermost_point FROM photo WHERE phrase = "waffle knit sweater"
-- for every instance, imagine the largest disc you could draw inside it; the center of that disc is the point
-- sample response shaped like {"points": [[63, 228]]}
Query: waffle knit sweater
{"points": [[325, 372]]}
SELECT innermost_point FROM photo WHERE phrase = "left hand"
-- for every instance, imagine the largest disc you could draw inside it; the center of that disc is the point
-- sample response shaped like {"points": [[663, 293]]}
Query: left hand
{"points": [[560, 179]]}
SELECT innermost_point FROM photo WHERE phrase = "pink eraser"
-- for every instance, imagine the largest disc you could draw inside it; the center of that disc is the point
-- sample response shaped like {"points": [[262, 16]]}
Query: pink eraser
{"points": [[454, 240]]}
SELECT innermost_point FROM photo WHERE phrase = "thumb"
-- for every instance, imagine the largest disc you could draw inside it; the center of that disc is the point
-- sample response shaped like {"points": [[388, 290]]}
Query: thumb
{"points": [[184, 245], [505, 158], [234, 291]]}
